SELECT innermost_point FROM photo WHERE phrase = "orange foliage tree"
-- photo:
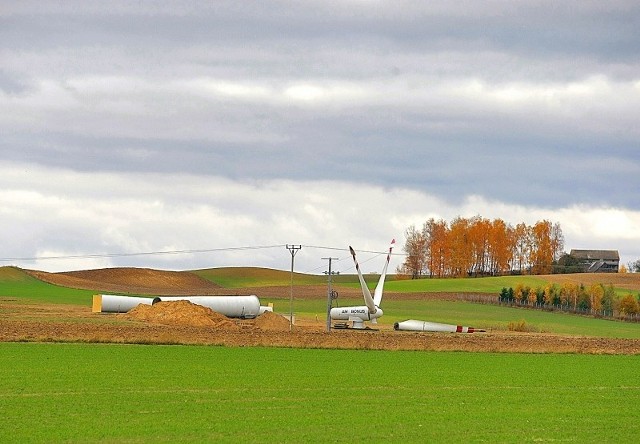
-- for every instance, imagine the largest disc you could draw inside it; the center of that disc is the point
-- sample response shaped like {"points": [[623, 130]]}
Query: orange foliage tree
{"points": [[596, 293], [629, 305], [477, 246], [569, 294]]}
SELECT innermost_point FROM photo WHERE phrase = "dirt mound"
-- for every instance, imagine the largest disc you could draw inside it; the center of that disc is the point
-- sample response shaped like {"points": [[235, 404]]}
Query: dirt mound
{"points": [[180, 313], [271, 321], [189, 314], [131, 280]]}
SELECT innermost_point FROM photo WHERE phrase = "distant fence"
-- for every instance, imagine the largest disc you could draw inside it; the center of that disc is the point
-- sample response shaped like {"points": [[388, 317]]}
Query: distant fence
{"points": [[480, 298]]}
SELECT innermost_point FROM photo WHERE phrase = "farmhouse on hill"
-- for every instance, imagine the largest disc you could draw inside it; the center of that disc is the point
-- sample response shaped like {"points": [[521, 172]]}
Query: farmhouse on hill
{"points": [[597, 261]]}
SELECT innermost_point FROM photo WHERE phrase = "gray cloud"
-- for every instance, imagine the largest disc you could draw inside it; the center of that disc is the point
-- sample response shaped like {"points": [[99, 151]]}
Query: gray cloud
{"points": [[58, 212], [531, 104]]}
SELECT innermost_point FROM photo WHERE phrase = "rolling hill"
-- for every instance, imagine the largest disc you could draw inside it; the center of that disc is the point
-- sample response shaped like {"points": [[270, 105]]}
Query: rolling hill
{"points": [[269, 282]]}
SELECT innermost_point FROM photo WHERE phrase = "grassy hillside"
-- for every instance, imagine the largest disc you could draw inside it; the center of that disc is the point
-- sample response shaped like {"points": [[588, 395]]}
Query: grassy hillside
{"points": [[16, 282], [242, 277], [18, 285], [474, 285], [238, 277]]}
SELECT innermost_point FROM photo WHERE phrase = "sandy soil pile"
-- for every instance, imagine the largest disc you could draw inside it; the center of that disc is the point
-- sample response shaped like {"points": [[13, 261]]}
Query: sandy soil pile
{"points": [[271, 321], [189, 314], [180, 313]]}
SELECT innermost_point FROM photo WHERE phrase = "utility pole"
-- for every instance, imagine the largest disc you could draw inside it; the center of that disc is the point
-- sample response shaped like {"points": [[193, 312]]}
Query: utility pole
{"points": [[293, 249], [329, 291]]}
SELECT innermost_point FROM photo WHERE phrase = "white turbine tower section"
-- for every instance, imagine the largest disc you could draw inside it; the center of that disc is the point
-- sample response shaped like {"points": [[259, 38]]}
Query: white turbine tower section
{"points": [[245, 307], [371, 311], [413, 325], [112, 303]]}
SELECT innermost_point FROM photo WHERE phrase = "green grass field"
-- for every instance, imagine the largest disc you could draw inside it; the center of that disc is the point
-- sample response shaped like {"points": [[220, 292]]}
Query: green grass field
{"points": [[472, 285], [231, 277], [239, 277], [19, 286], [98, 393]]}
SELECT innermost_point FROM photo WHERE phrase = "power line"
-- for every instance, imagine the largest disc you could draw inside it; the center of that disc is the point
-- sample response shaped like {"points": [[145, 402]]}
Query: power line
{"points": [[348, 255], [346, 249], [188, 251], [145, 253]]}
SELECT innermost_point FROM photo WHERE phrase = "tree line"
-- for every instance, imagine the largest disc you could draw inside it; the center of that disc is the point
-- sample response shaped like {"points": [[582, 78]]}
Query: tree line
{"points": [[480, 247], [597, 297]]}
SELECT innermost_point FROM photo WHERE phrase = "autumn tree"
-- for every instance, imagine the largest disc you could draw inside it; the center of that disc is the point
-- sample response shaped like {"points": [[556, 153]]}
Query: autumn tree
{"points": [[584, 299], [476, 235], [522, 246], [549, 294], [500, 247], [542, 249], [461, 256], [521, 292], [569, 294], [437, 248], [629, 305], [596, 293], [532, 297], [477, 246], [415, 262]]}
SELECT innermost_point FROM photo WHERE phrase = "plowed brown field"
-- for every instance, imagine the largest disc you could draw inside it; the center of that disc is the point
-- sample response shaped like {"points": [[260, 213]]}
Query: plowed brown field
{"points": [[178, 323], [131, 280]]}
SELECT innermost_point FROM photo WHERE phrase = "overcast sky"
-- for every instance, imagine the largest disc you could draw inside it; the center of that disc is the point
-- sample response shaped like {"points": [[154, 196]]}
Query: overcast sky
{"points": [[138, 127]]}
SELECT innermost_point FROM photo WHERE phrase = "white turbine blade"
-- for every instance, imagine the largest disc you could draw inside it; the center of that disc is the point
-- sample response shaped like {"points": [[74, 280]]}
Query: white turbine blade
{"points": [[368, 300], [377, 295]]}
